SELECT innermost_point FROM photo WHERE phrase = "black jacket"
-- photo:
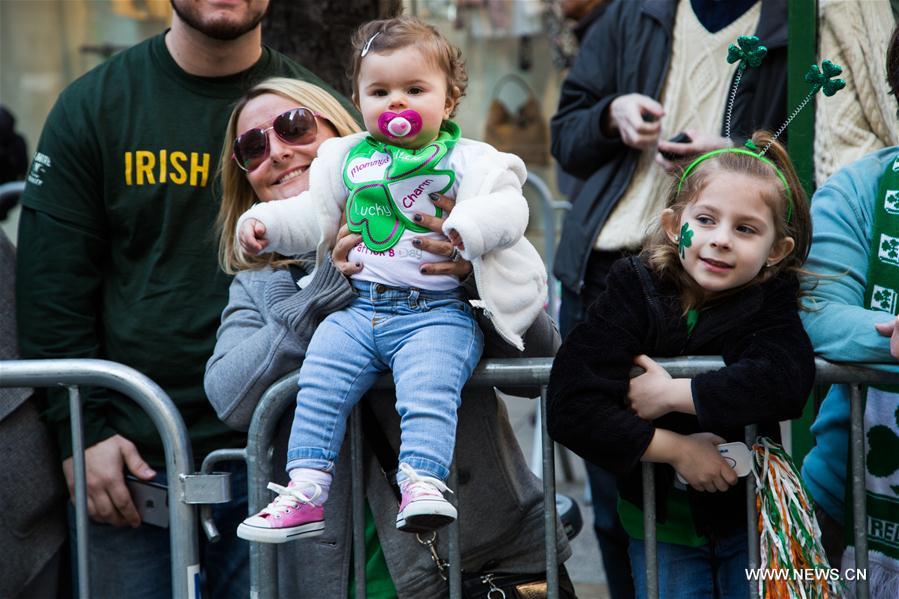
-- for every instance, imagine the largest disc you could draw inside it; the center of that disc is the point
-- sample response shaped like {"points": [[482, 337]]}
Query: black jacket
{"points": [[768, 375], [628, 51]]}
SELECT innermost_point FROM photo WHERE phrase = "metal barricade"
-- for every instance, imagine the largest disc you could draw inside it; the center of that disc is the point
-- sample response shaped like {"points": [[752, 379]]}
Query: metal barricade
{"points": [[522, 372], [190, 489], [529, 372], [826, 373], [185, 488], [10, 192], [550, 208]]}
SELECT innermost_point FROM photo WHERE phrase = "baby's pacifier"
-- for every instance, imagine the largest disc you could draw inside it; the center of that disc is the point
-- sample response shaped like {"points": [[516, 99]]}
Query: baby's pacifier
{"points": [[406, 123]]}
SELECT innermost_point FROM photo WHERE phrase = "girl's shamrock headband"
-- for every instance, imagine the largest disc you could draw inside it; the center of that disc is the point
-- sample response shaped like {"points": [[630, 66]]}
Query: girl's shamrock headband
{"points": [[749, 51], [745, 152]]}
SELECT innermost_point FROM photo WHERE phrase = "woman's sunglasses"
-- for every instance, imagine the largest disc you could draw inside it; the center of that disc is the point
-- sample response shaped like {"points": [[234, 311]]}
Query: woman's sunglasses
{"points": [[295, 127]]}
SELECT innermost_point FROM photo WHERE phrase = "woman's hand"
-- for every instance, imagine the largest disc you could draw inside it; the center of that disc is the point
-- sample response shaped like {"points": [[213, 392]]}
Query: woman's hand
{"points": [[891, 330], [252, 236], [454, 264], [340, 254], [701, 465], [455, 239], [654, 393]]}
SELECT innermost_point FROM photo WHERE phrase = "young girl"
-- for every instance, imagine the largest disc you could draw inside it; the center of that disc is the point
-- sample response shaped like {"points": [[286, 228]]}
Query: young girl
{"points": [[718, 276], [407, 83]]}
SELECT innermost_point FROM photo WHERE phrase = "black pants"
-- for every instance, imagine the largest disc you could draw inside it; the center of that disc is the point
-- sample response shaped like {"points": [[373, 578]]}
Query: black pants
{"points": [[613, 541], [573, 308], [831, 537]]}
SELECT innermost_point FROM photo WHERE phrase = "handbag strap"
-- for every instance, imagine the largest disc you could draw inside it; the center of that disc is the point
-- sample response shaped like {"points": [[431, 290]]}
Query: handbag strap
{"points": [[512, 77]]}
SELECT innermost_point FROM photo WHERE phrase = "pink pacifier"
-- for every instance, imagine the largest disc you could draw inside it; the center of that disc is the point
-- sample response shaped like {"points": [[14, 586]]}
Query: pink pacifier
{"points": [[404, 124]]}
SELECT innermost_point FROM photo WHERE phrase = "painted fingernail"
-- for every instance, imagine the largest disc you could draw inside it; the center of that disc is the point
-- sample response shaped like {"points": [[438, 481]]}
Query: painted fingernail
{"points": [[417, 218], [435, 197], [416, 243], [358, 265]]}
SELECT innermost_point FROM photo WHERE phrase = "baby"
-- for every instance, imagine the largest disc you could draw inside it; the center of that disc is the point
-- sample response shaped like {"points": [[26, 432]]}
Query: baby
{"points": [[408, 80]]}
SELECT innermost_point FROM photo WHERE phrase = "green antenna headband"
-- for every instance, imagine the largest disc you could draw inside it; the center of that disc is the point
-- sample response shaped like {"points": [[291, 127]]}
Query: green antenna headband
{"points": [[749, 51], [745, 152]]}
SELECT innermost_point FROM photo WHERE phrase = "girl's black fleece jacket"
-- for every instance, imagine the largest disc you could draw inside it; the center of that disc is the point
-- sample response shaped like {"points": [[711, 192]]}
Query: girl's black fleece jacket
{"points": [[768, 374]]}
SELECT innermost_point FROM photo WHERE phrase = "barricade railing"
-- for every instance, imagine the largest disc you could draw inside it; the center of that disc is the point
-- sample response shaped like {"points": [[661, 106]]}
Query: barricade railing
{"points": [[550, 208], [826, 373], [534, 372], [185, 489], [281, 396], [11, 191]]}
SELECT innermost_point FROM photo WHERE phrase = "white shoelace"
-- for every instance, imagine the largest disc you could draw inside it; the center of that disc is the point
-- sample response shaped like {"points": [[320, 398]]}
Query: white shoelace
{"points": [[416, 484], [288, 498]]}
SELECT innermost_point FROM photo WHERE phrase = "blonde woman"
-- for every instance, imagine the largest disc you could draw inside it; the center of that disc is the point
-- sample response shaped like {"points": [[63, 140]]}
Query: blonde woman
{"points": [[274, 306]]}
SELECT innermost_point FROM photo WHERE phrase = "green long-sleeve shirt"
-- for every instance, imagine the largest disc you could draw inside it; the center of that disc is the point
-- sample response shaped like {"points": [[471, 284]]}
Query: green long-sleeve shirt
{"points": [[117, 253]]}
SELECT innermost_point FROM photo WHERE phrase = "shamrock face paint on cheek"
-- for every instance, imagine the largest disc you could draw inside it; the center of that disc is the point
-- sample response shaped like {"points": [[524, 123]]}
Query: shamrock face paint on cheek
{"points": [[684, 240]]}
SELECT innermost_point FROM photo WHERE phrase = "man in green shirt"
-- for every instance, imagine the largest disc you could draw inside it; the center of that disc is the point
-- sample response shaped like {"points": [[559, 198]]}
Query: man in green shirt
{"points": [[117, 260]]}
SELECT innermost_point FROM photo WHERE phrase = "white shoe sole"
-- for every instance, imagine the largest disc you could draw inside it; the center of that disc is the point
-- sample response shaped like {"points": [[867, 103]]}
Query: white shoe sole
{"points": [[425, 515], [279, 535]]}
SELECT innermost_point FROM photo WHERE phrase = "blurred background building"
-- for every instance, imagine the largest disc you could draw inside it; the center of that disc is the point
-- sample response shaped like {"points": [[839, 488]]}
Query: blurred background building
{"points": [[46, 44]]}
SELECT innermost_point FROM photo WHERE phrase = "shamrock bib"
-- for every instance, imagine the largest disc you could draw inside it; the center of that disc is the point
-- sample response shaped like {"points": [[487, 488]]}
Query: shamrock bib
{"points": [[387, 184]]}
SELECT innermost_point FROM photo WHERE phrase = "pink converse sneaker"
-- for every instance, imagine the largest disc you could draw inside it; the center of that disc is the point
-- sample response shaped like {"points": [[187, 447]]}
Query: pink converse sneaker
{"points": [[423, 507], [289, 517]]}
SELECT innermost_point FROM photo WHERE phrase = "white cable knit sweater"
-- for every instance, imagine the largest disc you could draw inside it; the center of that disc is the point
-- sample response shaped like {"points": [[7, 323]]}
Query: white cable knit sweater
{"points": [[491, 215], [862, 117]]}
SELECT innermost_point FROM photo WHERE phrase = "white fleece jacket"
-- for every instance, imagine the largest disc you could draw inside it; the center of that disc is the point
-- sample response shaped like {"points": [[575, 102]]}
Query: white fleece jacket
{"points": [[491, 215]]}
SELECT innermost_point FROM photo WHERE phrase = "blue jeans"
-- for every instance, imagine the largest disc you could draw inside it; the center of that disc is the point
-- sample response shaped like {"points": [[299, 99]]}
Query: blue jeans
{"points": [[136, 562], [716, 570], [431, 342]]}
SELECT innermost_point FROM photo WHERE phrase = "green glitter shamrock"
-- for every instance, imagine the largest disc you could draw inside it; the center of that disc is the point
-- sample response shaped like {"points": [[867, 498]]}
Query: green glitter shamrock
{"points": [[749, 52], [684, 240], [750, 145], [373, 208], [824, 78]]}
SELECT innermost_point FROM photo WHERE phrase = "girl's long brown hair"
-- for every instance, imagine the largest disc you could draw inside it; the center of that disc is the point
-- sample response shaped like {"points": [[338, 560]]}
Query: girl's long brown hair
{"points": [[661, 253]]}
